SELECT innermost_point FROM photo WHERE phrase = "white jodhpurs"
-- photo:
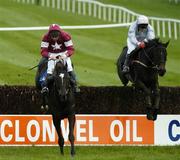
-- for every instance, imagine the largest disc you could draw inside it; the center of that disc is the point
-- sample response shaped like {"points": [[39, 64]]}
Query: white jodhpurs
{"points": [[131, 46], [52, 63]]}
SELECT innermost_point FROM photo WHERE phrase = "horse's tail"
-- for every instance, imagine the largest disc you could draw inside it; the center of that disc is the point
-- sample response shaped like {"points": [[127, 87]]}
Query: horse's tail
{"points": [[119, 65]]}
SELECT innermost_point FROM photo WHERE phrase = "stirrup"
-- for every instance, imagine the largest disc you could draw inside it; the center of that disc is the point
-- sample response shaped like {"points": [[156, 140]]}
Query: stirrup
{"points": [[125, 69], [45, 90]]}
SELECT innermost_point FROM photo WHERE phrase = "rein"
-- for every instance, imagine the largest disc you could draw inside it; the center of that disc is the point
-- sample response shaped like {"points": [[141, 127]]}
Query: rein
{"points": [[144, 65]]}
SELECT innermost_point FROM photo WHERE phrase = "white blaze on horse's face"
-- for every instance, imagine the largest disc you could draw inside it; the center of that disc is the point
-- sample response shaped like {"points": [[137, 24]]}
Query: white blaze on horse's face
{"points": [[62, 76]]}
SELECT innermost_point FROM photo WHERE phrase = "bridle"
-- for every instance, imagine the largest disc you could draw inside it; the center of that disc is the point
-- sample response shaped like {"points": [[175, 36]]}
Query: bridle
{"points": [[153, 65], [61, 75]]}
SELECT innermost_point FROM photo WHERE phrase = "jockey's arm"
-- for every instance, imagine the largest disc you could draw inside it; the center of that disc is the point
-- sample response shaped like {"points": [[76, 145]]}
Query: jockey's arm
{"points": [[44, 49], [69, 45], [132, 34]]}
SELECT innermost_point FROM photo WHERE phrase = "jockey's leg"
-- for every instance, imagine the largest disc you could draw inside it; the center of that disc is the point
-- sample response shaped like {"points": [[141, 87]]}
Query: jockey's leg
{"points": [[49, 78], [131, 47], [72, 75], [126, 64], [74, 81], [50, 68]]}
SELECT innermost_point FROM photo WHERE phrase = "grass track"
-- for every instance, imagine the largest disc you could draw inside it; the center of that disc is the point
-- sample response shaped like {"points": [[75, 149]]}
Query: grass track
{"points": [[91, 153], [96, 50]]}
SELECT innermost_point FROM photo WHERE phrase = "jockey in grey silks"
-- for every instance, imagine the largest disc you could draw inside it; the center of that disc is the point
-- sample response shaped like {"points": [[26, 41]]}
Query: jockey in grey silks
{"points": [[139, 32]]}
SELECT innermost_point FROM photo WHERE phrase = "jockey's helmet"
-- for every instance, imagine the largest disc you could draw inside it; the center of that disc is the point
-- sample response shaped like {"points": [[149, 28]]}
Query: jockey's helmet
{"points": [[54, 31], [142, 22]]}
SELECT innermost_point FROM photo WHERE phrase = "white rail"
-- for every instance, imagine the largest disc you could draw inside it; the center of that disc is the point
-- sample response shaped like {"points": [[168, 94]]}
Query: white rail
{"points": [[64, 27], [164, 27]]}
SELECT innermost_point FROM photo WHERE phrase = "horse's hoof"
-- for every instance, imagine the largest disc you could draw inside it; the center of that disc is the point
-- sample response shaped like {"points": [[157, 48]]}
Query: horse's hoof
{"points": [[62, 151], [150, 116], [46, 107], [42, 108], [73, 153], [154, 116]]}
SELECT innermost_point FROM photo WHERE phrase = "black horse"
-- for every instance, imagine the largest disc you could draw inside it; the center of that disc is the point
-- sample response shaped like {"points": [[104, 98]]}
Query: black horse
{"points": [[61, 102], [146, 64]]}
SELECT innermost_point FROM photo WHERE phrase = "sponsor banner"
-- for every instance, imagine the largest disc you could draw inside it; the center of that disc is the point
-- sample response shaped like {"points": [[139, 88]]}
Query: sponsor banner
{"points": [[167, 130], [89, 129]]}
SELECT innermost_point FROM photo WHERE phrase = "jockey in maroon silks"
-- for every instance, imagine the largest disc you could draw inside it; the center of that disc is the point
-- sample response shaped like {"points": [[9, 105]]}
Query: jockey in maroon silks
{"points": [[57, 42]]}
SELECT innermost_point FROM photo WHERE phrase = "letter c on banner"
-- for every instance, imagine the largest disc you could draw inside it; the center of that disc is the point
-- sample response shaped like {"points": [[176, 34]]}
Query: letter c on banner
{"points": [[170, 130]]}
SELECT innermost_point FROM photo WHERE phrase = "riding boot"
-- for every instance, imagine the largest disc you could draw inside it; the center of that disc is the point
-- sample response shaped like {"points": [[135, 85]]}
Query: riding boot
{"points": [[73, 79], [45, 84], [126, 64]]}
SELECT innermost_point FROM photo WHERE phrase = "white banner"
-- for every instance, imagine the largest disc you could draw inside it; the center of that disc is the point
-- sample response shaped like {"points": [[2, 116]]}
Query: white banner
{"points": [[167, 130]]}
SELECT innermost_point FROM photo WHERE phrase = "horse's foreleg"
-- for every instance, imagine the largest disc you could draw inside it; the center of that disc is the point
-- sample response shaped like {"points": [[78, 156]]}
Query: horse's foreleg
{"points": [[156, 99], [57, 124], [156, 96], [150, 111], [71, 120], [146, 91]]}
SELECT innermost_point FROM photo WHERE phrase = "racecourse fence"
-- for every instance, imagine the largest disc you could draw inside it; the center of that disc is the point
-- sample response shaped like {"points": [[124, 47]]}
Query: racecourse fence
{"points": [[164, 27], [91, 100]]}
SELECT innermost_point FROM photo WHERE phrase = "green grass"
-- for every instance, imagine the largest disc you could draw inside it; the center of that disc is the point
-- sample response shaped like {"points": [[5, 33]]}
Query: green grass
{"points": [[96, 50], [91, 153]]}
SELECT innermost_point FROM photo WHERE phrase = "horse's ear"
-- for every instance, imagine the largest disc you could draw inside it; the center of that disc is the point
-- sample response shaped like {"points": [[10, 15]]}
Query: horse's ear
{"points": [[166, 44]]}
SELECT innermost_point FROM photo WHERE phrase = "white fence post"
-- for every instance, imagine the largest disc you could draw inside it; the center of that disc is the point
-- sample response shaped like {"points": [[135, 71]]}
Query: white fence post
{"points": [[89, 9], [175, 31], [114, 15], [109, 14], [48, 3], [158, 28], [124, 17], [84, 8], [104, 13], [169, 29], [164, 29], [99, 12], [58, 4], [73, 6], [95, 10], [53, 3], [120, 14], [43, 3], [79, 7], [68, 5], [63, 5]]}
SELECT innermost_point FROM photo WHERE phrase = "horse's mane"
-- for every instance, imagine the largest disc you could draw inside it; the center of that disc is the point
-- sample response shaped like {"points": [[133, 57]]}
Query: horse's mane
{"points": [[154, 42], [60, 67]]}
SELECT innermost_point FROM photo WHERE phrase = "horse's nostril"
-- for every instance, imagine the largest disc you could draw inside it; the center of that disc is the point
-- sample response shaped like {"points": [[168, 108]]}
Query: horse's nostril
{"points": [[162, 72]]}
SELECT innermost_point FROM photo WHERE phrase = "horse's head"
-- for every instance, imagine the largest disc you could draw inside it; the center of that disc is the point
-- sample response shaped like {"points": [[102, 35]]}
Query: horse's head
{"points": [[61, 80], [158, 55]]}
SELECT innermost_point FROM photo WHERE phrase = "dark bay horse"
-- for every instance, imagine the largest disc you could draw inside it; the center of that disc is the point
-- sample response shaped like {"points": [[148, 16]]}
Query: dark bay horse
{"points": [[146, 65], [61, 102]]}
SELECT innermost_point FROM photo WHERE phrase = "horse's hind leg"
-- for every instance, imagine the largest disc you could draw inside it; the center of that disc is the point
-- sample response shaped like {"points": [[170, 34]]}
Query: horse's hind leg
{"points": [[71, 120], [57, 124]]}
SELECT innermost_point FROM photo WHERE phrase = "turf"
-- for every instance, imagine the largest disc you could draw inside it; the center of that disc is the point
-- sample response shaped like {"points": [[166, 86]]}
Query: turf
{"points": [[96, 50], [91, 153]]}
